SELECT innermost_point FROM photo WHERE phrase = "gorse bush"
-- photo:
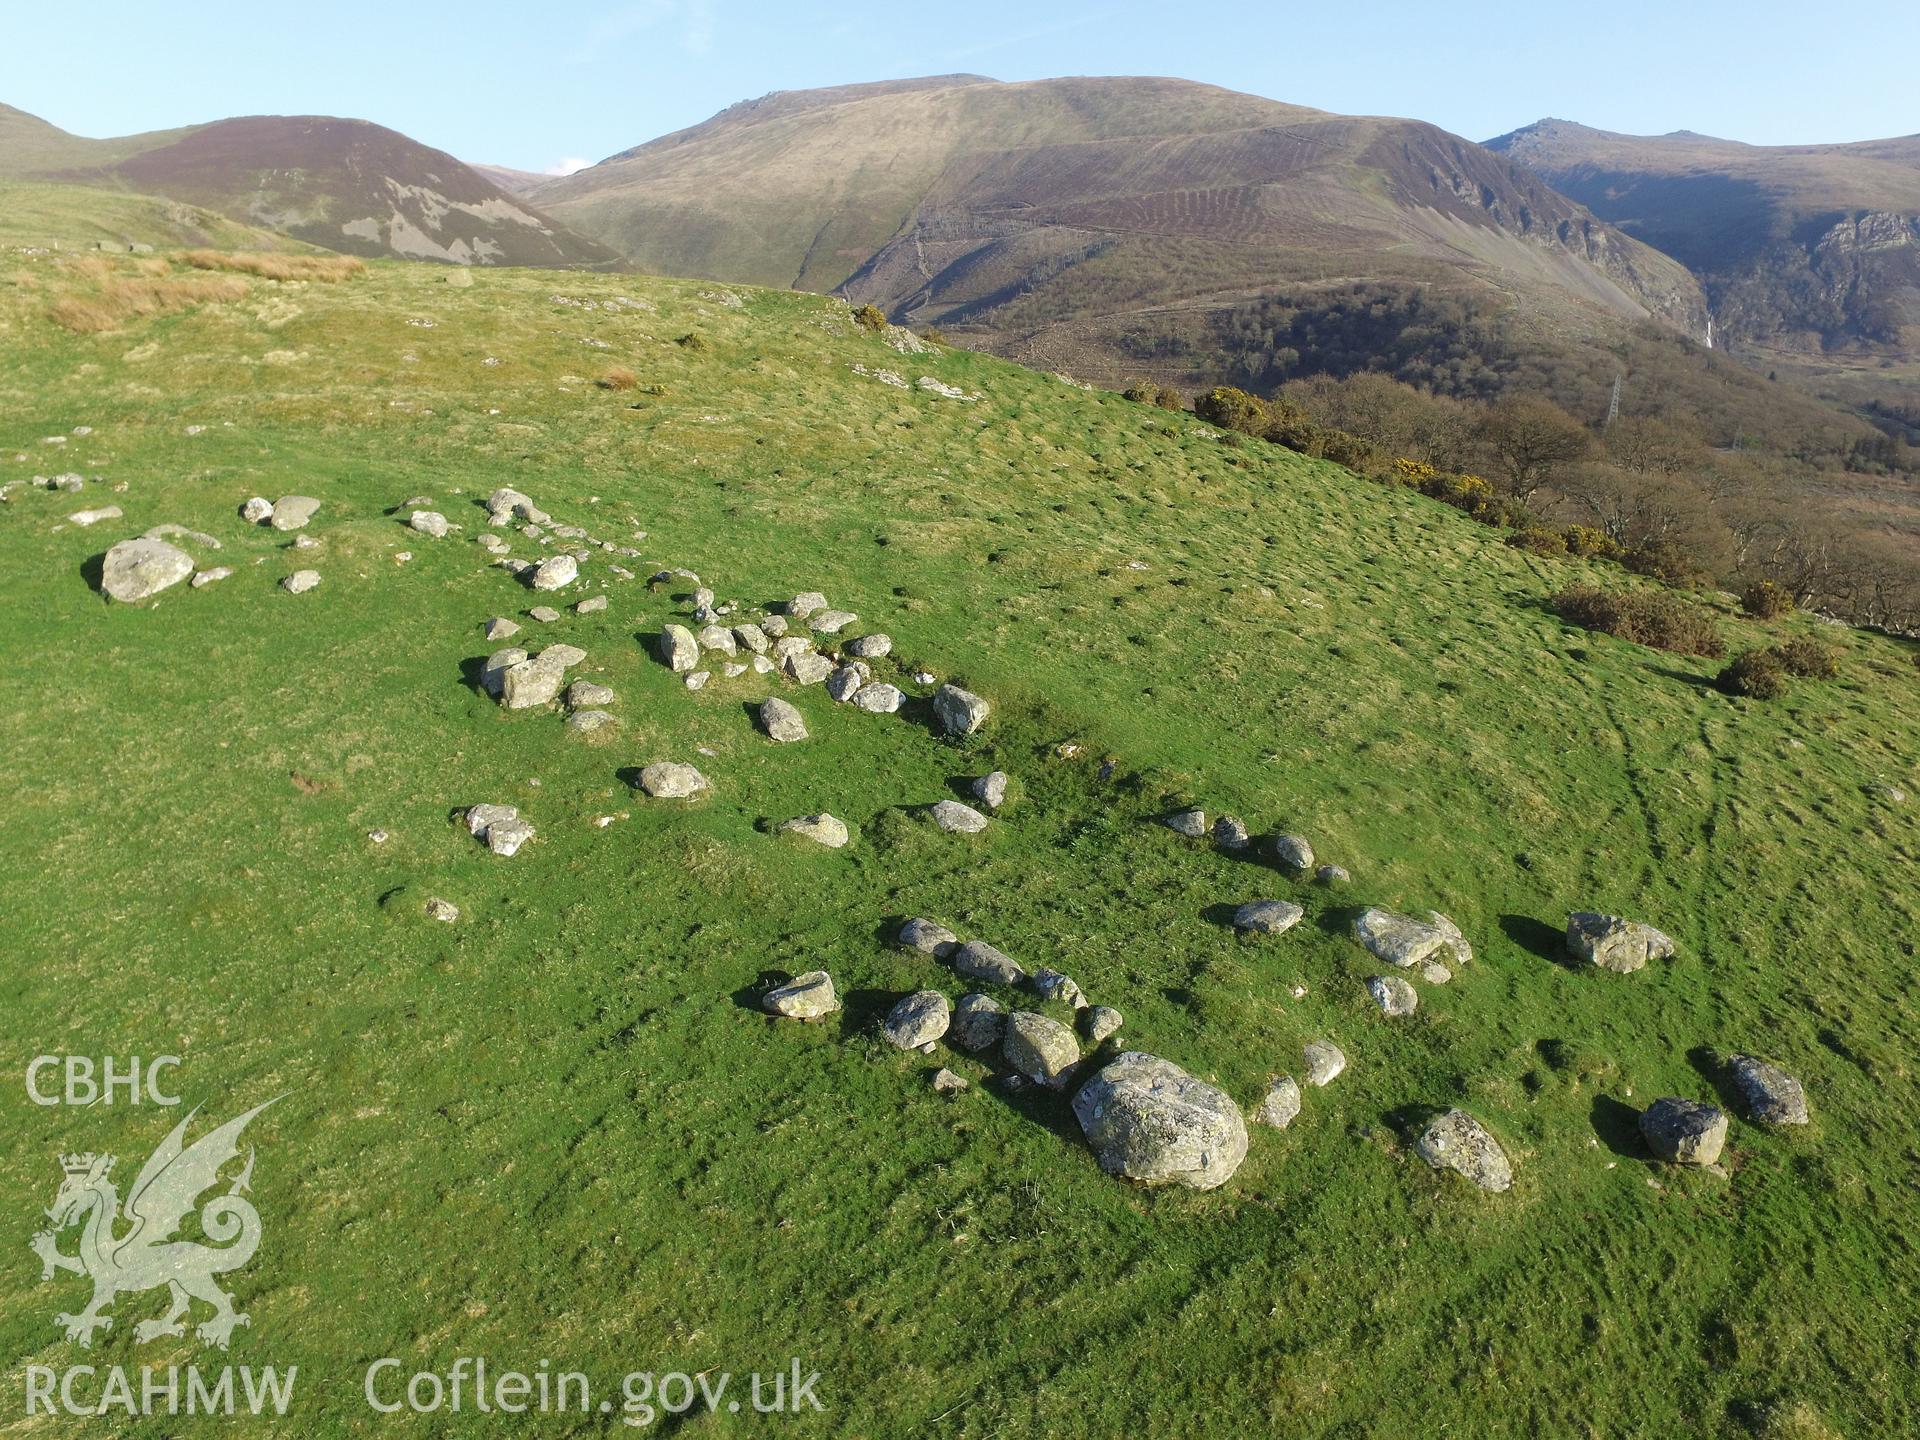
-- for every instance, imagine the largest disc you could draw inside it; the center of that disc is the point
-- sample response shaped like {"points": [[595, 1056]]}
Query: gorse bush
{"points": [[1145, 392], [1756, 675], [1536, 541], [1666, 561], [1765, 600], [1590, 540], [1646, 617], [1808, 659], [871, 317]]}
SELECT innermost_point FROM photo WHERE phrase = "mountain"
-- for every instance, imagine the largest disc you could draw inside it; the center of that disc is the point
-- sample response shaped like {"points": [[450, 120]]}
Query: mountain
{"points": [[1804, 248], [348, 185], [1097, 222], [514, 182]]}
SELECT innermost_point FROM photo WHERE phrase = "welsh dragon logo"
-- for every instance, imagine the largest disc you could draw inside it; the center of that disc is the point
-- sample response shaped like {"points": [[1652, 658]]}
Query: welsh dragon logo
{"points": [[147, 1255]]}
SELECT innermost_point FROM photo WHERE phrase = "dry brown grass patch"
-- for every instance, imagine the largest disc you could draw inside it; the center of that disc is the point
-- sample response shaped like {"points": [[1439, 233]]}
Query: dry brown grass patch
{"points": [[118, 301], [618, 378], [327, 269]]}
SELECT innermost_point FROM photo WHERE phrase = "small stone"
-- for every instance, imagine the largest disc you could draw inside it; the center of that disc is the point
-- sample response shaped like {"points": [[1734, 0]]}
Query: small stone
{"points": [[292, 512], [677, 648], [84, 518], [1280, 1104], [823, 829], [845, 681], [1293, 852], [804, 604], [1097, 1022], [257, 511], [430, 523], [1040, 1048], [300, 581], [1684, 1132], [977, 960], [1267, 917], [204, 578], [1324, 1061], [501, 628], [671, 780], [585, 694], [1404, 941], [532, 683], [305, 542], [808, 668], [960, 712], [991, 789], [1393, 995], [1230, 833], [945, 1082], [482, 817], [927, 937], [751, 637], [870, 647], [441, 910], [787, 646], [1434, 973], [1613, 943], [1050, 984], [782, 720], [698, 679], [493, 673], [715, 637], [378, 836], [830, 622], [957, 819], [1458, 1142], [545, 614], [918, 1019], [1331, 875], [505, 837], [1190, 823], [978, 1023], [592, 605], [1773, 1096], [805, 997], [773, 626], [585, 722], [762, 665], [556, 572]]}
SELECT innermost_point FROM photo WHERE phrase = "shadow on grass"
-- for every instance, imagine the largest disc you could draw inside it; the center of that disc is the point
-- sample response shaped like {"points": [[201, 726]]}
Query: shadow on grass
{"points": [[1537, 937], [1699, 682], [471, 669], [93, 570], [1411, 1119], [1711, 1066], [1618, 1126]]}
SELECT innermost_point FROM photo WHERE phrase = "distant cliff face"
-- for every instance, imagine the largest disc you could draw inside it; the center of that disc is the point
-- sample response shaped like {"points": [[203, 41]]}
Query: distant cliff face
{"points": [[1806, 248]]}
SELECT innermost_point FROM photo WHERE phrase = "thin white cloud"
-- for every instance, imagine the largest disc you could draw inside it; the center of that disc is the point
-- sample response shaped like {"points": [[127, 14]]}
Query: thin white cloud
{"points": [[570, 165]]}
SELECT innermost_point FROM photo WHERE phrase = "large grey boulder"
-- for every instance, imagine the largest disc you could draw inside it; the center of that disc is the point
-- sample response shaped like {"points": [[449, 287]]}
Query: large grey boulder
{"points": [[805, 997], [1280, 1104], [830, 622], [430, 523], [505, 837], [991, 789], [1773, 1096], [927, 937], [257, 511], [136, 570], [869, 647], [1294, 852], [677, 648], [960, 712], [493, 674], [978, 1023], [292, 512], [1267, 917], [300, 581], [1614, 943], [671, 780], [1684, 1132], [1230, 833], [1325, 1060], [977, 960], [1040, 1048], [804, 604], [919, 1019], [957, 819], [585, 694], [1404, 941], [751, 637], [556, 572], [533, 682], [846, 681], [1150, 1121], [718, 638], [879, 698], [481, 818], [1458, 1142], [1393, 995], [1190, 823], [807, 668], [782, 721]]}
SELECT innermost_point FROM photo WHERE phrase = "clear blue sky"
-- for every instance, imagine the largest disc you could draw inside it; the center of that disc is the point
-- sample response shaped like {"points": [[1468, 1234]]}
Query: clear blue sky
{"points": [[531, 85]]}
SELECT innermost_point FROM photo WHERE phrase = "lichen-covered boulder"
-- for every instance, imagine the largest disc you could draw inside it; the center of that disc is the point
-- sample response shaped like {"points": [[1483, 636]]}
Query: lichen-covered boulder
{"points": [[1151, 1122], [1614, 943], [1458, 1142]]}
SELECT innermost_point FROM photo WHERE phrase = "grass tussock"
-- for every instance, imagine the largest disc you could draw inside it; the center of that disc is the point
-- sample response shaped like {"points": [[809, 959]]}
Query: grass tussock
{"points": [[618, 378], [116, 302], [327, 269], [1657, 619]]}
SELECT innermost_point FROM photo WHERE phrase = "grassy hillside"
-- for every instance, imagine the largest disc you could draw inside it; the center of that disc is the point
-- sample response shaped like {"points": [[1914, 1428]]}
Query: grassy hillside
{"points": [[560, 1127], [76, 217]]}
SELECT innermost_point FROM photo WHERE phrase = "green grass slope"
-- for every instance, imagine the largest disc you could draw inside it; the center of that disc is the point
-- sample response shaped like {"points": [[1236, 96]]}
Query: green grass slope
{"points": [[560, 1130]]}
